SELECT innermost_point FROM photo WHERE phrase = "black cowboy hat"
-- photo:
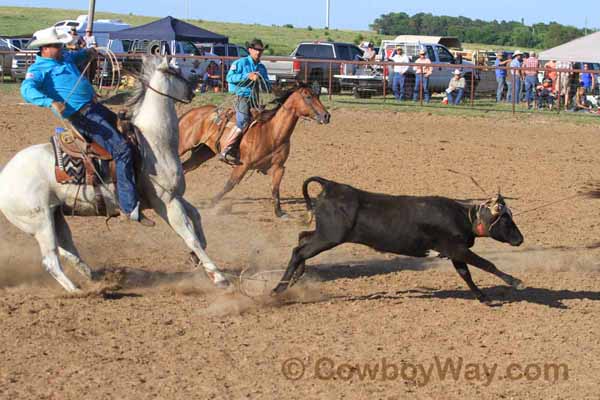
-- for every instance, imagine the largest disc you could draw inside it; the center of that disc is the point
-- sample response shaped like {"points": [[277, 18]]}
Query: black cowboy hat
{"points": [[256, 44]]}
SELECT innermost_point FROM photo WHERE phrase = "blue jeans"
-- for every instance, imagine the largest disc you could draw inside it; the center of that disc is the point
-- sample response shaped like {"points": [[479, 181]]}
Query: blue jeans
{"points": [[459, 94], [398, 85], [242, 112], [425, 88], [96, 125], [530, 84], [501, 80]]}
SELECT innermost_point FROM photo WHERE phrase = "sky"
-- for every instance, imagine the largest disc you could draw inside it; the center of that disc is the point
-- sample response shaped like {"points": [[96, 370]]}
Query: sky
{"points": [[348, 14]]}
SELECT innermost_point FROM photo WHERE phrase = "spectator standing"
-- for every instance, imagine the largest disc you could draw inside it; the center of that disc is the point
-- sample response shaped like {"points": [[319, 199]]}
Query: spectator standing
{"points": [[586, 79], [515, 77], [563, 83], [456, 87], [500, 74], [423, 73], [400, 71], [530, 70], [369, 53], [77, 42]]}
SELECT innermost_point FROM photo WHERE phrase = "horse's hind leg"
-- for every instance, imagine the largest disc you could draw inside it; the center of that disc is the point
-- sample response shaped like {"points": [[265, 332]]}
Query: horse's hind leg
{"points": [[236, 176], [46, 237], [66, 246], [198, 156]]}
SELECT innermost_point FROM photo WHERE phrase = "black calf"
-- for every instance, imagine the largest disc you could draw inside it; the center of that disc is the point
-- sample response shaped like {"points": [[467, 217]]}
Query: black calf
{"points": [[406, 225]]}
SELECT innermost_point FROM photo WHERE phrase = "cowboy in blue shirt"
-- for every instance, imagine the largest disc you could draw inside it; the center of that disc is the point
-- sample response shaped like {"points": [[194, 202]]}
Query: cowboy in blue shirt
{"points": [[245, 76], [54, 81]]}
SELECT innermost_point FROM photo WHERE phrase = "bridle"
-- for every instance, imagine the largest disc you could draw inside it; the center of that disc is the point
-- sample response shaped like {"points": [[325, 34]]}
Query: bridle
{"points": [[168, 72], [307, 101]]}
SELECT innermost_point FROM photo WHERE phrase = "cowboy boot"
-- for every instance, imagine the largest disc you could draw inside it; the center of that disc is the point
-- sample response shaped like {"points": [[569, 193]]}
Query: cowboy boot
{"points": [[137, 216], [226, 155]]}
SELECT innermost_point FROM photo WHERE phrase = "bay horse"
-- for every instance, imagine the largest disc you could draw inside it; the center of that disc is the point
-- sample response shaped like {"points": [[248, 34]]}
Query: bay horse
{"points": [[264, 147], [33, 201]]}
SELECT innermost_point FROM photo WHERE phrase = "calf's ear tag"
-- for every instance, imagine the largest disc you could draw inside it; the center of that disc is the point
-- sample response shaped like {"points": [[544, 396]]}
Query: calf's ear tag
{"points": [[480, 229]]}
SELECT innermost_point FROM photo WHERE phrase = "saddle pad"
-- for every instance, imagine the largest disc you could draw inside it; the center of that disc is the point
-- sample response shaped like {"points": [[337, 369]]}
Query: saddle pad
{"points": [[72, 170]]}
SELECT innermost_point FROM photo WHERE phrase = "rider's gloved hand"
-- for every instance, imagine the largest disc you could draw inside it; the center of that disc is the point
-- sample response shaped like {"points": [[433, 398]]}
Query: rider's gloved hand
{"points": [[58, 107], [92, 52], [253, 76]]}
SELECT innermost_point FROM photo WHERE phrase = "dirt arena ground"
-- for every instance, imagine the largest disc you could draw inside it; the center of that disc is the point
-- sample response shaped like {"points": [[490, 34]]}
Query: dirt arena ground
{"points": [[362, 325]]}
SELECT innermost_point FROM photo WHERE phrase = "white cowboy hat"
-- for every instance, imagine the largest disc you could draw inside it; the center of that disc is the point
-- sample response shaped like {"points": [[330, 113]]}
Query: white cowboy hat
{"points": [[49, 36], [517, 53], [457, 72]]}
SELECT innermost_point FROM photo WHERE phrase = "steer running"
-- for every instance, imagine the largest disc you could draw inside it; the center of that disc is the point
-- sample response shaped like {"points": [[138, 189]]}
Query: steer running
{"points": [[406, 225]]}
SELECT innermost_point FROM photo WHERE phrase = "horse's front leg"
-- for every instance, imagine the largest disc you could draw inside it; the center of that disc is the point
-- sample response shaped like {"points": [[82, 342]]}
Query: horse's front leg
{"points": [[277, 174], [181, 223], [236, 176]]}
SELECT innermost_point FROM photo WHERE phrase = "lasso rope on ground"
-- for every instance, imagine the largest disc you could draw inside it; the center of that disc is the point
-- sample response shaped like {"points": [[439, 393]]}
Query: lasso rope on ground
{"points": [[254, 277]]}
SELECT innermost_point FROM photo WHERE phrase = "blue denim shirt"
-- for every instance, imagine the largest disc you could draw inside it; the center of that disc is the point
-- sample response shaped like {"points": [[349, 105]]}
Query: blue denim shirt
{"points": [[515, 64], [48, 80], [237, 77], [500, 73]]}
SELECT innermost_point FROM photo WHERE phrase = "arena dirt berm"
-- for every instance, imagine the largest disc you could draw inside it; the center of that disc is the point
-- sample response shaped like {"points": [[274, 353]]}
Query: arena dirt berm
{"points": [[167, 333]]}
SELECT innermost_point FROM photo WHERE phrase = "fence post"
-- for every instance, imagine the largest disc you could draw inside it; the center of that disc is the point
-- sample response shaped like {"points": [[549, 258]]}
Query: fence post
{"points": [[222, 75], [384, 82], [513, 77], [330, 86], [558, 92], [305, 72], [421, 87], [472, 87]]}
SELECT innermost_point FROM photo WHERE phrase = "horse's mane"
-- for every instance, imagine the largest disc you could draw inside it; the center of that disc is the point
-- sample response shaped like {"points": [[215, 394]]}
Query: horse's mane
{"points": [[266, 115], [149, 65]]}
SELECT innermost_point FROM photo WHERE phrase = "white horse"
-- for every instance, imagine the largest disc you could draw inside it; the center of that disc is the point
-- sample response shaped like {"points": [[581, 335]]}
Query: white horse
{"points": [[33, 201]]}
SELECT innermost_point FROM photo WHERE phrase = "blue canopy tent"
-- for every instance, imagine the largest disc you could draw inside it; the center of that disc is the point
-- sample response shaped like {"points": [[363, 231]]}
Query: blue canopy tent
{"points": [[169, 29]]}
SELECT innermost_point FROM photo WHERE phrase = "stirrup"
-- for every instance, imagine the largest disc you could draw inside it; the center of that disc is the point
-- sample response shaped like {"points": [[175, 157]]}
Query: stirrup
{"points": [[228, 158]]}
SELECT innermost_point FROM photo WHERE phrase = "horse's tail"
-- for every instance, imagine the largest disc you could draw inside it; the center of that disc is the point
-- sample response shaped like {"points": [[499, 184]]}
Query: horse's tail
{"points": [[323, 182]]}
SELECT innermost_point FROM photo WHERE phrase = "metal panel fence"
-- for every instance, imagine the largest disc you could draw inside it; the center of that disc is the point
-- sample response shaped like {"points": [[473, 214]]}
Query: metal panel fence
{"points": [[378, 83]]}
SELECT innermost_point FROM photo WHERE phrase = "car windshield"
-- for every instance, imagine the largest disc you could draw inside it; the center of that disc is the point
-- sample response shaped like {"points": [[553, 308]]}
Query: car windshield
{"points": [[188, 48]]}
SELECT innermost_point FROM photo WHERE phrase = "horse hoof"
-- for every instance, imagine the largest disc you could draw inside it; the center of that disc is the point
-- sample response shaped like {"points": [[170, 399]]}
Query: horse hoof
{"points": [[224, 284], [280, 288], [518, 284], [282, 215]]}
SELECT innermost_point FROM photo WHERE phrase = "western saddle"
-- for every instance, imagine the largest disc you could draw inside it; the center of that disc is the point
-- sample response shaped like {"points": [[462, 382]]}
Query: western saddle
{"points": [[81, 162]]}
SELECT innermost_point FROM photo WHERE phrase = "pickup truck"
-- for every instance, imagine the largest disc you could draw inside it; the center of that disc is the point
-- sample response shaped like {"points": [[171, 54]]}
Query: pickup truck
{"points": [[369, 80], [8, 47], [191, 68], [285, 70]]}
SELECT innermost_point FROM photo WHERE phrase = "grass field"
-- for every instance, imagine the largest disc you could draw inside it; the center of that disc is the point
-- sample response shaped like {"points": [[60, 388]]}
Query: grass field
{"points": [[282, 40]]}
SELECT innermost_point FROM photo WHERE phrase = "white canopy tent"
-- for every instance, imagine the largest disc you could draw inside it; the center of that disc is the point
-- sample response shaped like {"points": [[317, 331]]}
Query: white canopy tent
{"points": [[585, 49]]}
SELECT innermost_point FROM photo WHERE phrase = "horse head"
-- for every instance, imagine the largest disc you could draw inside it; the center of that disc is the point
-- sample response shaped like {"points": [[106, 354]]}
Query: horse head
{"points": [[306, 103], [166, 79]]}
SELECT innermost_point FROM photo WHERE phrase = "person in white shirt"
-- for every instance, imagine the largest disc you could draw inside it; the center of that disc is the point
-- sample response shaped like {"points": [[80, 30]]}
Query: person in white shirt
{"points": [[400, 71]]}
